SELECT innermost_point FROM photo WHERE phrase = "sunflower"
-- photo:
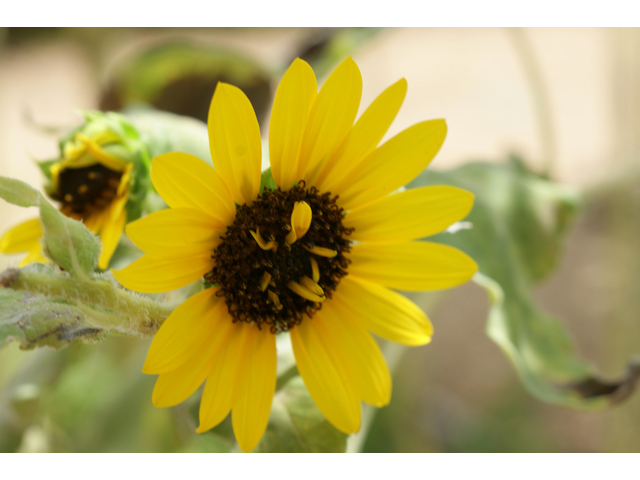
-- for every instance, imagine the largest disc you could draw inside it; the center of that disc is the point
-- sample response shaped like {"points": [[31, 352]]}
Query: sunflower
{"points": [[317, 256], [91, 183]]}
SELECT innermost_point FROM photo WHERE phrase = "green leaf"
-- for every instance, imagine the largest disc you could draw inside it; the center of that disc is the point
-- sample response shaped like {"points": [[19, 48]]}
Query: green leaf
{"points": [[68, 242], [296, 424], [18, 193], [519, 221]]}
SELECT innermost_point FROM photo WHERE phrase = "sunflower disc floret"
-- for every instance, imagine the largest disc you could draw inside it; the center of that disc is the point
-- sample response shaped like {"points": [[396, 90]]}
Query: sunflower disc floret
{"points": [[271, 280]]}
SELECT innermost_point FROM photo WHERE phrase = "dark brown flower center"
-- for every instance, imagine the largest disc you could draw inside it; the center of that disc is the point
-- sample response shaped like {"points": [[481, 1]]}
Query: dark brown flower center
{"points": [[265, 279], [85, 190]]}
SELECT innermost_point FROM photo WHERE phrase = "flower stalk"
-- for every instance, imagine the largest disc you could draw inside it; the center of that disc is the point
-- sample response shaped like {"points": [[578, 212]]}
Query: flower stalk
{"points": [[104, 305]]}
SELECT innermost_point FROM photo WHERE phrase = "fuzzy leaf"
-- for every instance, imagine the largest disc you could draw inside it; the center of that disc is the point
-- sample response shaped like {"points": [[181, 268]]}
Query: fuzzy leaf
{"points": [[18, 193], [68, 242]]}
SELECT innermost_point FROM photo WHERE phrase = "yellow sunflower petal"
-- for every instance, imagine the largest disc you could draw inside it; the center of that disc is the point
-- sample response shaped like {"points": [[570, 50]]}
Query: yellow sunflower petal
{"points": [[95, 221], [295, 96], [183, 180], [221, 389], [176, 232], [393, 164], [352, 346], [384, 312], [234, 141], [22, 238], [325, 377], [257, 384], [364, 137], [331, 117], [300, 221], [409, 215], [175, 387], [186, 333], [110, 237], [413, 266], [215, 327], [150, 275]]}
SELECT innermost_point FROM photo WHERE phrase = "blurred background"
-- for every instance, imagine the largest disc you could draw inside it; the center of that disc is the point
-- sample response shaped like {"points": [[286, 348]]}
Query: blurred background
{"points": [[565, 101]]}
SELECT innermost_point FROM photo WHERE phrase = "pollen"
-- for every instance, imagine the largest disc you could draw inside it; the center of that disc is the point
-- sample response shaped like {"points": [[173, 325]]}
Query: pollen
{"points": [[282, 257]]}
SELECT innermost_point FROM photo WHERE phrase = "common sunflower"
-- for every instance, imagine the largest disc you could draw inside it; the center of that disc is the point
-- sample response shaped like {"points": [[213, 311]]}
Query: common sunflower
{"points": [[317, 256], [92, 184]]}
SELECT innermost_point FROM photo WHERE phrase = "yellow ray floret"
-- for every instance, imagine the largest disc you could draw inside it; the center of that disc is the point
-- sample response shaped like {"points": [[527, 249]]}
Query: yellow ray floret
{"points": [[300, 221]]}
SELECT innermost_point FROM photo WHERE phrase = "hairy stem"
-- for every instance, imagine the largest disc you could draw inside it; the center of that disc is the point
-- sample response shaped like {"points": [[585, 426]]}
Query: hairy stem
{"points": [[105, 305]]}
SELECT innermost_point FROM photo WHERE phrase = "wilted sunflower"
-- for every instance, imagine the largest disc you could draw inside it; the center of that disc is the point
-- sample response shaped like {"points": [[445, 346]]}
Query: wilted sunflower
{"points": [[317, 256], [92, 180]]}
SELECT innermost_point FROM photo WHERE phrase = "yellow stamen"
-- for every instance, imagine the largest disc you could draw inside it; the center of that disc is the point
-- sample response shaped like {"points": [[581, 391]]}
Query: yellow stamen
{"points": [[300, 222], [266, 278], [68, 198], [311, 285], [321, 251], [305, 292], [275, 299], [315, 271], [270, 245], [82, 189]]}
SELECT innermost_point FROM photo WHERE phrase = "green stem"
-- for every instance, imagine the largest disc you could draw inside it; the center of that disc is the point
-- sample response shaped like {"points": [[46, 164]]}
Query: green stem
{"points": [[105, 305], [540, 95]]}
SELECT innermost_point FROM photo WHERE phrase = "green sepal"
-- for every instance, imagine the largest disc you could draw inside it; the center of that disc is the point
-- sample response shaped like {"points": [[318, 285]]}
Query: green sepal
{"points": [[266, 181], [45, 167]]}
